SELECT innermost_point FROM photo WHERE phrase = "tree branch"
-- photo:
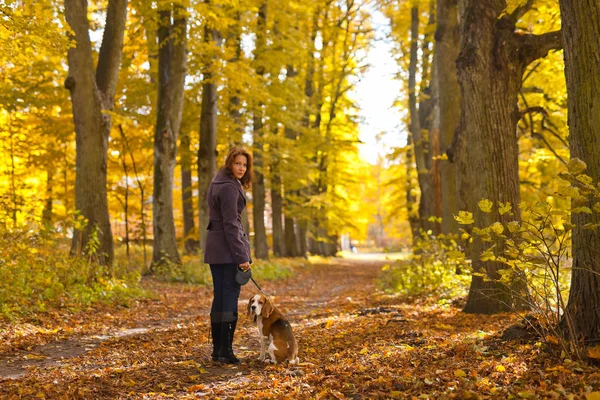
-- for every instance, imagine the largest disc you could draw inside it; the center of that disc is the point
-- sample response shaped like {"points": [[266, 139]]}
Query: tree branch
{"points": [[109, 60], [531, 47]]}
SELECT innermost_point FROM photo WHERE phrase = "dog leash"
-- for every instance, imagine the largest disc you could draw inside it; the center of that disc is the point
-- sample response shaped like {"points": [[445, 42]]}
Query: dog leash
{"points": [[259, 289]]}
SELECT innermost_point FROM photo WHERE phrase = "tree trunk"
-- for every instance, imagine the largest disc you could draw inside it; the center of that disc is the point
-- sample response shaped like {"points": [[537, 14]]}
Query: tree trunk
{"points": [[207, 153], [235, 113], [490, 67], [261, 249], [581, 30], [418, 125], [277, 204], [125, 203], [291, 247], [171, 77], [434, 148], [446, 53], [91, 95], [47, 213], [127, 149], [411, 201], [187, 196]]}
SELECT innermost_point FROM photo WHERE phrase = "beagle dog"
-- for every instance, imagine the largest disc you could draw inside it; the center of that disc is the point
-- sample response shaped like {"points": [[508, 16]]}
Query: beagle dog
{"points": [[274, 330]]}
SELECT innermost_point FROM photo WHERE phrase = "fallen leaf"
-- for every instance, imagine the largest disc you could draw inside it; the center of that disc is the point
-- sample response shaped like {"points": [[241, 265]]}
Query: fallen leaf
{"points": [[459, 373]]}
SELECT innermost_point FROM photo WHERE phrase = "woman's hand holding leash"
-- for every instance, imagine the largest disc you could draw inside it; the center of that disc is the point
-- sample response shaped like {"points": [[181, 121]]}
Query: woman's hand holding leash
{"points": [[245, 266]]}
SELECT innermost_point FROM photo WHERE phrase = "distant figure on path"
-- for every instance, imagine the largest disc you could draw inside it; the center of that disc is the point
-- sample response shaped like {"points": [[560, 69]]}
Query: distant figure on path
{"points": [[227, 248]]}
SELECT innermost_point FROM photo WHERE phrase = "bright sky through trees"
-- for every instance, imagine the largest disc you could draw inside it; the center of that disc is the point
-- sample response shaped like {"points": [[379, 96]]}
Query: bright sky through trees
{"points": [[375, 95]]}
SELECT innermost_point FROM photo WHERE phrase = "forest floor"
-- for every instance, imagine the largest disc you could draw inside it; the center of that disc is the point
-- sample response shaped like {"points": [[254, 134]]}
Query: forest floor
{"points": [[355, 342]]}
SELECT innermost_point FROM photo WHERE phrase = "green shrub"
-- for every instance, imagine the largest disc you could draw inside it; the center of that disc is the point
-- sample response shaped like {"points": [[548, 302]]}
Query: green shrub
{"points": [[36, 273], [430, 269]]}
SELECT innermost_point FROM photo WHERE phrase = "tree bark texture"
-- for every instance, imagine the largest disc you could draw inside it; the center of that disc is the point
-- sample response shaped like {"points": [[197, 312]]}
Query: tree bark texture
{"points": [[171, 76], [207, 153], [92, 92], [448, 101], [581, 30], [490, 66]]}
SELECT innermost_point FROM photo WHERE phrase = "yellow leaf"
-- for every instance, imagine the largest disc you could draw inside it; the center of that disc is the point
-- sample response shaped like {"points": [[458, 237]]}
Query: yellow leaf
{"points": [[497, 228], [464, 218], [459, 373], [582, 209], [592, 396], [594, 352], [504, 208], [40, 395], [576, 166], [329, 323], [552, 339], [485, 205], [487, 255], [364, 351], [34, 357], [526, 395], [500, 368]]}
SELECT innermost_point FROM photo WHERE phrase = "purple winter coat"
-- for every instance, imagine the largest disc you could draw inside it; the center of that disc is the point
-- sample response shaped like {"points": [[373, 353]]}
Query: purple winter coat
{"points": [[226, 242]]}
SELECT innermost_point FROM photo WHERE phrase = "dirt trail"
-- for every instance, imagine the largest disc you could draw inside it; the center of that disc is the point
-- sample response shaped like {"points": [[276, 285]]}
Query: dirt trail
{"points": [[354, 342], [176, 335]]}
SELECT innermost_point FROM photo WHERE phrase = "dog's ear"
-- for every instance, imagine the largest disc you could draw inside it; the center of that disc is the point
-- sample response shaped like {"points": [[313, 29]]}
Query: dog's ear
{"points": [[249, 313], [267, 309]]}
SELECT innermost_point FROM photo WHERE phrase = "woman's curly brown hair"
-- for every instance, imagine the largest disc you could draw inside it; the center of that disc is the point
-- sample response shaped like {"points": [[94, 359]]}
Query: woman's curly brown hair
{"points": [[249, 174]]}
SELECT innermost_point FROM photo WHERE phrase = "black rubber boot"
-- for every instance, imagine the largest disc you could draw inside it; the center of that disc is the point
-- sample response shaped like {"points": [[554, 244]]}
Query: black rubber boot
{"points": [[215, 328], [226, 349]]}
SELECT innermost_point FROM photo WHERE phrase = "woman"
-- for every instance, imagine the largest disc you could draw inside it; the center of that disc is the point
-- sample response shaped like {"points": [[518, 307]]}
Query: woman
{"points": [[227, 248]]}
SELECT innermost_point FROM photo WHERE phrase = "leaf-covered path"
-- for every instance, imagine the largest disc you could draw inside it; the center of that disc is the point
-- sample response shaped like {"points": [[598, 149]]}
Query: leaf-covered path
{"points": [[354, 343]]}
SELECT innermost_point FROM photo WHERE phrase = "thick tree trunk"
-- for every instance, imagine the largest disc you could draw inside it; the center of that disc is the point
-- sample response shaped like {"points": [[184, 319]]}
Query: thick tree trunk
{"points": [[207, 153], [261, 248], [581, 30], [91, 95], [187, 196], [171, 76], [490, 68], [446, 53]]}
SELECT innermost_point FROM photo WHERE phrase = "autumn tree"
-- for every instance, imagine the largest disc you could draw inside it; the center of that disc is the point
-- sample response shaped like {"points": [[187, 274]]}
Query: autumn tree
{"points": [[419, 103], [493, 57], [207, 157], [580, 32], [91, 97], [171, 76], [261, 249]]}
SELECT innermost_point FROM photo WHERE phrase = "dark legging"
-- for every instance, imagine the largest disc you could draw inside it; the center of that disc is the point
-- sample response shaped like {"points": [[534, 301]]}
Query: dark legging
{"points": [[226, 293]]}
